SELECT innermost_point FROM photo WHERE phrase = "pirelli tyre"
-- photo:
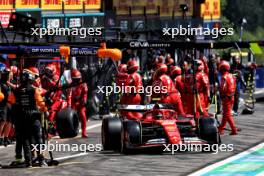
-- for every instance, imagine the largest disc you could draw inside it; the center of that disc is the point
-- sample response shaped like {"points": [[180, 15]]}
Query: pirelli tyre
{"points": [[67, 123], [208, 130], [111, 132], [131, 135]]}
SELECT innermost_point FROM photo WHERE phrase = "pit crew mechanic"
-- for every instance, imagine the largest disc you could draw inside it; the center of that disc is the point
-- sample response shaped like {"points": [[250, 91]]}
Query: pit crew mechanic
{"points": [[27, 102], [227, 91], [78, 98], [172, 96], [5, 120]]}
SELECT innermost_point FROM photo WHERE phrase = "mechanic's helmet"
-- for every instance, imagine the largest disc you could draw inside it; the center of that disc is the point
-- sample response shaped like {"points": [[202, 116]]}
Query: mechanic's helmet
{"points": [[161, 69], [14, 70], [34, 70], [175, 71], [168, 56], [169, 61], [15, 73], [122, 68], [224, 66], [50, 70], [76, 75], [160, 60], [188, 58], [199, 66], [27, 76], [132, 66]]}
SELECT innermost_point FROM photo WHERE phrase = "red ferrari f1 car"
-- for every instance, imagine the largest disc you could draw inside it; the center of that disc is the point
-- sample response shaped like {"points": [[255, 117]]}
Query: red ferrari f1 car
{"points": [[154, 125]]}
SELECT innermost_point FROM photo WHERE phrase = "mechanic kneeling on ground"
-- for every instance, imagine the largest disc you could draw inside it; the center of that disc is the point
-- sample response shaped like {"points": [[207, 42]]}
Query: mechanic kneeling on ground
{"points": [[27, 103]]}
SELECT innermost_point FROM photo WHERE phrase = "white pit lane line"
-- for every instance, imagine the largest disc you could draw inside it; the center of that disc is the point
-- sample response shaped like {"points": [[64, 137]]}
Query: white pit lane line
{"points": [[87, 128], [56, 137], [2, 147], [83, 153], [71, 156], [227, 160]]}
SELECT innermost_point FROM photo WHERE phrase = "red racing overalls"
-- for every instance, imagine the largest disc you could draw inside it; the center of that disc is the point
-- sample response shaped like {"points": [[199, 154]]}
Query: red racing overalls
{"points": [[78, 97], [227, 91], [170, 95], [202, 87], [132, 96]]}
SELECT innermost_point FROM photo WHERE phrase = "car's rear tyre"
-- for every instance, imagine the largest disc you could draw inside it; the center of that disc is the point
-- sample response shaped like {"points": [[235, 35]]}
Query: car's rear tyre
{"points": [[131, 135], [208, 130], [111, 133], [67, 123]]}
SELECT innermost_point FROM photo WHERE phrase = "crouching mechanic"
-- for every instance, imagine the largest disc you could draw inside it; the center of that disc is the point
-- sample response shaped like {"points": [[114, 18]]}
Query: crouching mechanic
{"points": [[77, 98], [26, 102], [49, 80], [168, 93], [227, 91], [133, 86]]}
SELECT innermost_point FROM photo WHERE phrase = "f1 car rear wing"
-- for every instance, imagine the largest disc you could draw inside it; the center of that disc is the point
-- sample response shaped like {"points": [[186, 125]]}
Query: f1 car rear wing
{"points": [[136, 107], [144, 107]]}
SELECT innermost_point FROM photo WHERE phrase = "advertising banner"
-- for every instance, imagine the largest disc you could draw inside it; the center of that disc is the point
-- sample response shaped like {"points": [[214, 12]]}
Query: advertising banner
{"points": [[73, 4], [27, 4], [211, 10], [216, 9], [137, 6], [4, 18], [167, 7], [70, 4], [122, 6], [92, 4], [150, 5], [51, 4], [6, 4]]}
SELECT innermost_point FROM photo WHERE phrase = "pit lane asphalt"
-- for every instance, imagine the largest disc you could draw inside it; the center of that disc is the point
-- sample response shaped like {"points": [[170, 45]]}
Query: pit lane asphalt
{"points": [[110, 163]]}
